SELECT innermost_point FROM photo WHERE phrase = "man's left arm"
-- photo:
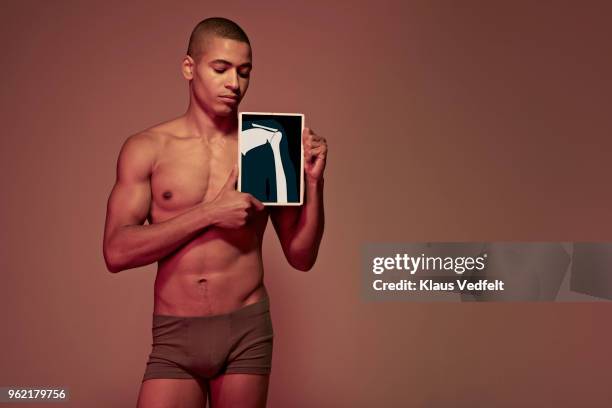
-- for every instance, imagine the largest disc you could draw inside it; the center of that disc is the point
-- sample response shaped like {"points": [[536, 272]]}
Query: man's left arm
{"points": [[300, 229]]}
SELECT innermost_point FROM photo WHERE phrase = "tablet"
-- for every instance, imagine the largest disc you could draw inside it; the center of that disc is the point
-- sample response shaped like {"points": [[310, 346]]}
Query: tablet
{"points": [[271, 157]]}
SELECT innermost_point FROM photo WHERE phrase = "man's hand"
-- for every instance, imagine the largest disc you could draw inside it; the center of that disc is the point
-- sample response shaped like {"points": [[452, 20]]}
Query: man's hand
{"points": [[231, 208], [315, 154]]}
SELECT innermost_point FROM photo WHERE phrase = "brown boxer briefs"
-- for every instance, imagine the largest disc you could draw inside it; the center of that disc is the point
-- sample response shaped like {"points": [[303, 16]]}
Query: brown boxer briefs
{"points": [[206, 346]]}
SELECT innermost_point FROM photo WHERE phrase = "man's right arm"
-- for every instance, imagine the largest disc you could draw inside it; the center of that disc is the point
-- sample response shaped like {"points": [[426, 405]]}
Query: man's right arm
{"points": [[128, 243]]}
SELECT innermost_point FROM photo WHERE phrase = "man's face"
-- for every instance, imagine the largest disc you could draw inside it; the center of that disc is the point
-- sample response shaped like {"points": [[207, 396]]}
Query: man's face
{"points": [[221, 75]]}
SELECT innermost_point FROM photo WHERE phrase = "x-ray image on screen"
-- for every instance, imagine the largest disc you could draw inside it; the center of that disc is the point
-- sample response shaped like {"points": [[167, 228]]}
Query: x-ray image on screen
{"points": [[270, 149]]}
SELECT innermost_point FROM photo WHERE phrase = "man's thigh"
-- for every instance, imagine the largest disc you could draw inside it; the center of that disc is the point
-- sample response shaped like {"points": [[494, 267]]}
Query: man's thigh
{"points": [[239, 390], [171, 393]]}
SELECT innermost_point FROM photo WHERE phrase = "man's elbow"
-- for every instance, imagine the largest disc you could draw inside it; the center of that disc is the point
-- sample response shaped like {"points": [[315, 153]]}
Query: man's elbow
{"points": [[113, 265], [302, 265], [113, 268]]}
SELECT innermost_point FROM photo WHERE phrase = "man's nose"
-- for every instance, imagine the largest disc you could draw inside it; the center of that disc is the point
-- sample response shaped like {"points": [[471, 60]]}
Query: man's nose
{"points": [[232, 81]]}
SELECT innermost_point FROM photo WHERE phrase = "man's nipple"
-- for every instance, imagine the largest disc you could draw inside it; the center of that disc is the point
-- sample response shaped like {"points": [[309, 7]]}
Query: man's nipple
{"points": [[167, 195]]}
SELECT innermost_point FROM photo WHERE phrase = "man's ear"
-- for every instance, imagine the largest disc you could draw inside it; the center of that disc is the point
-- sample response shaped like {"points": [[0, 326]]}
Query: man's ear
{"points": [[187, 67]]}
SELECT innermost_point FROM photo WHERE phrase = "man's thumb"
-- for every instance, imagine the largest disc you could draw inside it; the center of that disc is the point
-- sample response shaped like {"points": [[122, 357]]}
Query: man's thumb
{"points": [[230, 184]]}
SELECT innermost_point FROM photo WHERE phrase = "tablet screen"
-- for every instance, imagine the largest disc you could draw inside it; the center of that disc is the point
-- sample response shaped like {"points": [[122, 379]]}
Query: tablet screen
{"points": [[271, 157]]}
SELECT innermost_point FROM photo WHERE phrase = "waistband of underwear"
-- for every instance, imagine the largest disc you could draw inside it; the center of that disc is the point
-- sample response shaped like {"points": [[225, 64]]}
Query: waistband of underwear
{"points": [[252, 309]]}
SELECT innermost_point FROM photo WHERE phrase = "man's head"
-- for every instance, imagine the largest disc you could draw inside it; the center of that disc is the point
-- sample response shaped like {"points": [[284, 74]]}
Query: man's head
{"points": [[218, 65]]}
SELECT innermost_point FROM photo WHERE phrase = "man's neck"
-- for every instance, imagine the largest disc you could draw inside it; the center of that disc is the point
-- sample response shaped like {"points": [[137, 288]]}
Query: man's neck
{"points": [[207, 125]]}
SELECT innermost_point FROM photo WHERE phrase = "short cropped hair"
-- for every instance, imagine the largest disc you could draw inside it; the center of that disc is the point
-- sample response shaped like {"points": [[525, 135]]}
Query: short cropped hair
{"points": [[214, 26]]}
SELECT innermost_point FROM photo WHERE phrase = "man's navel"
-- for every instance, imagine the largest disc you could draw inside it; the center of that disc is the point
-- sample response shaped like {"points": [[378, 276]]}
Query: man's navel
{"points": [[167, 195]]}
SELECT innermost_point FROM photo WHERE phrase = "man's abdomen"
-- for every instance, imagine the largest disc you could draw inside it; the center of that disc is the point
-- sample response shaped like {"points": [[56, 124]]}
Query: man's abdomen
{"points": [[218, 272]]}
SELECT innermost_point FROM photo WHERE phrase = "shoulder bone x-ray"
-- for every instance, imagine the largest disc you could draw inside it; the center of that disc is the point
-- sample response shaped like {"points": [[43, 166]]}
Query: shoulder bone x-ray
{"points": [[270, 148]]}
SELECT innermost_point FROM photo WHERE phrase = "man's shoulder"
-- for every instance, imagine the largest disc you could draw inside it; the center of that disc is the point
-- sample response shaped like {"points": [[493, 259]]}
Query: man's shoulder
{"points": [[162, 133], [141, 146], [138, 154], [143, 139], [154, 136]]}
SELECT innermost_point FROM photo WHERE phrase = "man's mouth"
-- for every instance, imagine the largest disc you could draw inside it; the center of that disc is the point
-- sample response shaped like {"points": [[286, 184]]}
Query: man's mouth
{"points": [[229, 98]]}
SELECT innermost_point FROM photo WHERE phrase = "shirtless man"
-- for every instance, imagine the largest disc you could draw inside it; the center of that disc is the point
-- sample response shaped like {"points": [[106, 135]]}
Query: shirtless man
{"points": [[212, 333]]}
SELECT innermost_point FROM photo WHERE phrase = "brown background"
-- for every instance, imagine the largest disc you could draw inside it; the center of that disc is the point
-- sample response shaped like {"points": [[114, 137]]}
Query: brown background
{"points": [[446, 121]]}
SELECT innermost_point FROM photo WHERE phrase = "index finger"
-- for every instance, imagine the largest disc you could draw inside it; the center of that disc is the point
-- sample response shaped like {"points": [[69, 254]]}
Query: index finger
{"points": [[256, 203]]}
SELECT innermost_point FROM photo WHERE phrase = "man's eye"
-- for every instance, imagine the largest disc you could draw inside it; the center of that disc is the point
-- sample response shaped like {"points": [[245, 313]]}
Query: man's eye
{"points": [[244, 74], [219, 70]]}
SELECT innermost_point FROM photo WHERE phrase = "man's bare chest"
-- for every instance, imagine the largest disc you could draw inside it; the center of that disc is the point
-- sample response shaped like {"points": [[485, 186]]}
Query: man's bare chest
{"points": [[187, 173]]}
